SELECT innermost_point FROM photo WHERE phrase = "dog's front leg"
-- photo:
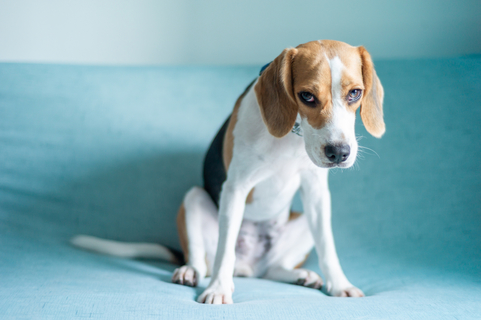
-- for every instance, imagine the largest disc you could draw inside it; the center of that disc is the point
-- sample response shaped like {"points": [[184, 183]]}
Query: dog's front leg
{"points": [[317, 205], [231, 211]]}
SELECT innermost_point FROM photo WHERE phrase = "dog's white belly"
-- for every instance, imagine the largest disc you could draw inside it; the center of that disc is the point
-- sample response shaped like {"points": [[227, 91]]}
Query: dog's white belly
{"points": [[272, 197]]}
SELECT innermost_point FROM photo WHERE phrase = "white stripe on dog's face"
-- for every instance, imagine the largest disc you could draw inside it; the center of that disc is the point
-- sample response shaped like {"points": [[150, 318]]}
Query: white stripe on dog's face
{"points": [[339, 126]]}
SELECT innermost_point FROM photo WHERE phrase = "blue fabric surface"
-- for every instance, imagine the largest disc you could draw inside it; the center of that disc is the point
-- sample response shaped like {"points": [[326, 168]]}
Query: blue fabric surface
{"points": [[110, 151]]}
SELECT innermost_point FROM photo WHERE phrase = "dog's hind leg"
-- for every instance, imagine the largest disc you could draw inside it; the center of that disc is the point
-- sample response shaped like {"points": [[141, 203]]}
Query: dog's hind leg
{"points": [[289, 252], [198, 231]]}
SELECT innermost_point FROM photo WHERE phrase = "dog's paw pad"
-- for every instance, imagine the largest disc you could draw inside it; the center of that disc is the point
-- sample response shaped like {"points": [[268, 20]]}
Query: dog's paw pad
{"points": [[185, 275]]}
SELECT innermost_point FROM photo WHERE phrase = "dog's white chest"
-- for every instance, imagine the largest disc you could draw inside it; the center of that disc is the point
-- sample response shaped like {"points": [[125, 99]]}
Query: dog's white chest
{"points": [[273, 196]]}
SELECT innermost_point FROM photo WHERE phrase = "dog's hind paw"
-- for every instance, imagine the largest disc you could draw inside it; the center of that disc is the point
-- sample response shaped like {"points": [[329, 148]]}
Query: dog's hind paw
{"points": [[308, 278], [186, 275]]}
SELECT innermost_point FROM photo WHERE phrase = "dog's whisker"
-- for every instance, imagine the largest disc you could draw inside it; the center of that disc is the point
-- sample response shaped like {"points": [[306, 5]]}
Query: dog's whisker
{"points": [[369, 149], [356, 164]]}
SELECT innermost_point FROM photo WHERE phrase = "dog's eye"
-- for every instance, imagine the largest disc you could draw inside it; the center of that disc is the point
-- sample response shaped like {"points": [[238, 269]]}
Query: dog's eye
{"points": [[307, 97], [354, 95]]}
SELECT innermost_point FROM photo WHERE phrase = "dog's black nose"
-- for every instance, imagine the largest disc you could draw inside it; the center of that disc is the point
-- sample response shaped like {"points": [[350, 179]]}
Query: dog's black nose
{"points": [[337, 153]]}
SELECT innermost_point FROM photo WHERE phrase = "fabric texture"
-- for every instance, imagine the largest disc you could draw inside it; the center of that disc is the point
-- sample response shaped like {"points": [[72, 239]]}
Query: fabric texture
{"points": [[110, 152]]}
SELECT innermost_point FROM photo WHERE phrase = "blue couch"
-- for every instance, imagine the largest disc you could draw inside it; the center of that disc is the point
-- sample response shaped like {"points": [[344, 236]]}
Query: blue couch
{"points": [[110, 152]]}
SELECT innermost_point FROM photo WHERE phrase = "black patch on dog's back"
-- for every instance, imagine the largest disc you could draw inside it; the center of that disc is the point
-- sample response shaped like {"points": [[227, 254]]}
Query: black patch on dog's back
{"points": [[214, 170]]}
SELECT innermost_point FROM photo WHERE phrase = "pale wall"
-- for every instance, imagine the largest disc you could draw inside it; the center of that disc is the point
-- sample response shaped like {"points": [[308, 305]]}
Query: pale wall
{"points": [[229, 32]]}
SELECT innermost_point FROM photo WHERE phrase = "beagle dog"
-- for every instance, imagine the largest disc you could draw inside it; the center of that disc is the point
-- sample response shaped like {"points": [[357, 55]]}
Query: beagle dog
{"points": [[293, 123]]}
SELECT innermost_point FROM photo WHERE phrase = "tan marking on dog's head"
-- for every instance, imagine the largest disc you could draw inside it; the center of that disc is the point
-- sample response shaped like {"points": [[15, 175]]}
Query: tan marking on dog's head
{"points": [[306, 69], [312, 74]]}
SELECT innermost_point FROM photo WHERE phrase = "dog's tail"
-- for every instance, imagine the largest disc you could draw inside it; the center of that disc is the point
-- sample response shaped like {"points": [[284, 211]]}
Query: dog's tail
{"points": [[126, 249]]}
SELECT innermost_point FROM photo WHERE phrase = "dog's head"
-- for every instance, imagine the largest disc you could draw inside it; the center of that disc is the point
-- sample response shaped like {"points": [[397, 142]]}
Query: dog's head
{"points": [[323, 83]]}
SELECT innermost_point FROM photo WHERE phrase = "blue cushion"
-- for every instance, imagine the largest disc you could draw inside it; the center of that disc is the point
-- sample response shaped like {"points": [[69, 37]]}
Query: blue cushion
{"points": [[110, 152]]}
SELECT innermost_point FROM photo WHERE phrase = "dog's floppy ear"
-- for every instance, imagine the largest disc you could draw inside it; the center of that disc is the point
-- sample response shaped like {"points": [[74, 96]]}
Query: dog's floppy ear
{"points": [[371, 105], [275, 94]]}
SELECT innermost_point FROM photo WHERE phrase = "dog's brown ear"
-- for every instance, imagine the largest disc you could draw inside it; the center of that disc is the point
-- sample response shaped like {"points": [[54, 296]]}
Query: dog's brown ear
{"points": [[371, 105], [275, 94]]}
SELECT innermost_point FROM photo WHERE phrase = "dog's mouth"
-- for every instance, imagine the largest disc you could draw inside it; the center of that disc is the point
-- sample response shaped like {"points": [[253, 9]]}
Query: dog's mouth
{"points": [[331, 165], [342, 165], [321, 163]]}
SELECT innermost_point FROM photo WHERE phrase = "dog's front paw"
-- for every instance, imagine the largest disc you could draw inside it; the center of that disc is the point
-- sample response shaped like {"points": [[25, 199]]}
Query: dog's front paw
{"points": [[216, 294], [349, 291]]}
